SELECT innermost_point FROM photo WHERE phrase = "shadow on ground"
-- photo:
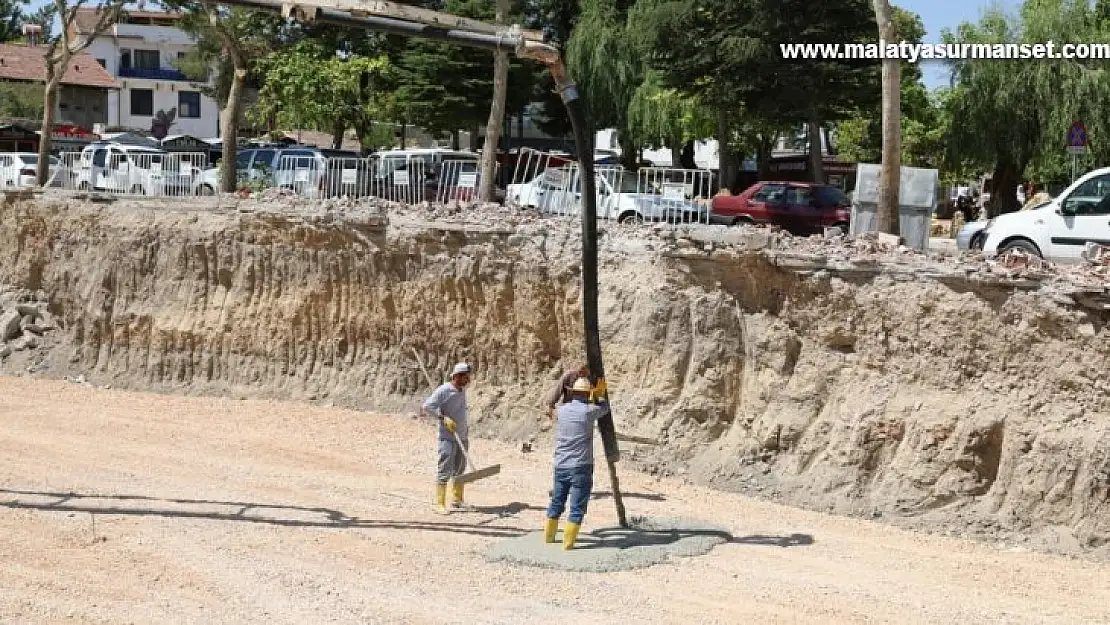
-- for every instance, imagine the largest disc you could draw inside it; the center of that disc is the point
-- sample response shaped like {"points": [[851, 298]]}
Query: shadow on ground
{"points": [[268, 514]]}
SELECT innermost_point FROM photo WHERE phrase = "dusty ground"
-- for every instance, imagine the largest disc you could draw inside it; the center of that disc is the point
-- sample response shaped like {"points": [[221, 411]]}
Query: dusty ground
{"points": [[193, 510]]}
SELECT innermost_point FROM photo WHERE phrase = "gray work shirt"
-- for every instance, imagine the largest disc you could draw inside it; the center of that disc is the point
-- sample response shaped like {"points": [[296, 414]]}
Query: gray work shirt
{"points": [[574, 434], [448, 401]]}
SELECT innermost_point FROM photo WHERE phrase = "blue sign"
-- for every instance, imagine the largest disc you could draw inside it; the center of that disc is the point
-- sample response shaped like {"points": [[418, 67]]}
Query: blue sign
{"points": [[1077, 135]]}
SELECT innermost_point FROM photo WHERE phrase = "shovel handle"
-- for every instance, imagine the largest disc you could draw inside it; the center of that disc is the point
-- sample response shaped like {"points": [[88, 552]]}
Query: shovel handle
{"points": [[458, 441]]}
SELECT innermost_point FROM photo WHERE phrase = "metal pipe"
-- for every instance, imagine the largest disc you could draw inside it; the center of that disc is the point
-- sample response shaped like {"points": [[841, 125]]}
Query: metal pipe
{"points": [[512, 41], [509, 41]]}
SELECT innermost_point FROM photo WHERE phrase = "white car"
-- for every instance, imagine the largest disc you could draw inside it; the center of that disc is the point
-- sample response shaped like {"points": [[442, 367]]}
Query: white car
{"points": [[1060, 229], [17, 169], [557, 191], [138, 170]]}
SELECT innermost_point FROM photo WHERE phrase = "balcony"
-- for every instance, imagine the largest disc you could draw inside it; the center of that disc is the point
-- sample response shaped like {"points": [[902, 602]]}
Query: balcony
{"points": [[152, 74]]}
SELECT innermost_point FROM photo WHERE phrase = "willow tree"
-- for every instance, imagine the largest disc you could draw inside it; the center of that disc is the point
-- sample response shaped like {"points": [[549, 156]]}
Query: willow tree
{"points": [[1006, 115], [663, 116], [603, 57]]}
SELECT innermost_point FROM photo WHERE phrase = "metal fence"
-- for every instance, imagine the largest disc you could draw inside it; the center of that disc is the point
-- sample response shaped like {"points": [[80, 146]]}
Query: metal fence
{"points": [[544, 181], [123, 172], [551, 185]]}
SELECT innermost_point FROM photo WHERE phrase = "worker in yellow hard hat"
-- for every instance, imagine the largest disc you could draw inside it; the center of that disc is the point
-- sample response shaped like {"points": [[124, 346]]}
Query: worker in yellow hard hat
{"points": [[448, 404], [574, 462]]}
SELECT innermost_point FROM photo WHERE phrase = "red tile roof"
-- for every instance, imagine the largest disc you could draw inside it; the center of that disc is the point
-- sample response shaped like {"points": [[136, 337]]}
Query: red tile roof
{"points": [[22, 62]]}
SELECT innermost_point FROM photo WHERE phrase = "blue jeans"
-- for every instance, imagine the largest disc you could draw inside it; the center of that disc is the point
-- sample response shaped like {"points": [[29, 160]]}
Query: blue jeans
{"points": [[576, 484]]}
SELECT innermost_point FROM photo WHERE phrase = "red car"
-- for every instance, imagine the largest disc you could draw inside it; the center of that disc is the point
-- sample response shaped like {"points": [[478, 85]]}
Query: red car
{"points": [[799, 207]]}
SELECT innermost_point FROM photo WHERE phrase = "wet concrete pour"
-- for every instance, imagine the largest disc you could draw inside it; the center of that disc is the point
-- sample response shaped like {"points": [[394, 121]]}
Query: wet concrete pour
{"points": [[648, 541]]}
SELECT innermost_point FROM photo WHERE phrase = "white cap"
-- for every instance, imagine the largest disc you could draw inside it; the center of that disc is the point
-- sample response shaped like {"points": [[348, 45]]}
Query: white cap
{"points": [[462, 367]]}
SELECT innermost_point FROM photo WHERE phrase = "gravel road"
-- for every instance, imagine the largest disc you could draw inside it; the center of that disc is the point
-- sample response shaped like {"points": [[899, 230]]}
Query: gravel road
{"points": [[121, 507]]}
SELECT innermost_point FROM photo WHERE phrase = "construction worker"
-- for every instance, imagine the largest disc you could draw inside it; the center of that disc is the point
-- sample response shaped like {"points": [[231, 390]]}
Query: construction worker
{"points": [[574, 462], [561, 393], [448, 404]]}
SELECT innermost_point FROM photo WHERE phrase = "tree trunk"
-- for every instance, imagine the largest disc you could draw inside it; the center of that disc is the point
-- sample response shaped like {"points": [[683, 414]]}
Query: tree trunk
{"points": [[1004, 181], [338, 129], [686, 156], [890, 176], [496, 112], [725, 160], [455, 143], [766, 148], [816, 151], [404, 133], [50, 104], [231, 114]]}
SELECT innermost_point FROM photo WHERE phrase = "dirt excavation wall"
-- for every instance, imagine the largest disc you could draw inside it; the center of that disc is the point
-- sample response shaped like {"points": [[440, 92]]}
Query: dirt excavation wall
{"points": [[940, 402]]}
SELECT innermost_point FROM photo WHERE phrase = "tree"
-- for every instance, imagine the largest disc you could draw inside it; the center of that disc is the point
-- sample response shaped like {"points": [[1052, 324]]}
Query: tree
{"points": [[891, 173], [20, 99], [496, 111], [444, 87], [58, 54], [232, 39], [11, 18], [310, 86], [1007, 115]]}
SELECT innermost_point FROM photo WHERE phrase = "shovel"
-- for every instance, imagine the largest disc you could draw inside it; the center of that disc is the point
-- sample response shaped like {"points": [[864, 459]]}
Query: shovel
{"points": [[475, 474]]}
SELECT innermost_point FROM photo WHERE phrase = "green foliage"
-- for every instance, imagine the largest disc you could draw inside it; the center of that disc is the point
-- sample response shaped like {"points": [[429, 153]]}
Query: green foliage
{"points": [[254, 34], [445, 87], [21, 100], [11, 18], [305, 87], [1008, 115]]}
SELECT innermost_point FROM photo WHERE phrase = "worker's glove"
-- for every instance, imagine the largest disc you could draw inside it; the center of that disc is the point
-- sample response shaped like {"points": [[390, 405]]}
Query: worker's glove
{"points": [[449, 423]]}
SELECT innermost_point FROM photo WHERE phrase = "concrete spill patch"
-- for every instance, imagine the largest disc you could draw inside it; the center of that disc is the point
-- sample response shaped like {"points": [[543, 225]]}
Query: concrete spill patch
{"points": [[649, 541]]}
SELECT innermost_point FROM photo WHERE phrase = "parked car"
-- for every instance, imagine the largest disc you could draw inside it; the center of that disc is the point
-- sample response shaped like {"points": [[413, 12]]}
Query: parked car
{"points": [[303, 170], [1060, 228], [557, 191], [800, 207], [971, 236], [18, 169], [426, 174], [139, 170]]}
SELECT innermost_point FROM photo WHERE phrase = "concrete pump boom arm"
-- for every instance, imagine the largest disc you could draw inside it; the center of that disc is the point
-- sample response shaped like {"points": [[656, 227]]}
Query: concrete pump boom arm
{"points": [[405, 20]]}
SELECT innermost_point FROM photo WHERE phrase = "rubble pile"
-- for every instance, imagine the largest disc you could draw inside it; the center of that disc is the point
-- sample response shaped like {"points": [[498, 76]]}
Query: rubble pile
{"points": [[24, 321]]}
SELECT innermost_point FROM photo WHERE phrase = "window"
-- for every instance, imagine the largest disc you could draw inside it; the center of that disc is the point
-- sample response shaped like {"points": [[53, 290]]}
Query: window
{"points": [[263, 159], [1091, 198], [798, 196], [147, 59], [125, 59], [770, 193], [828, 197], [243, 158], [180, 55], [99, 158], [188, 104], [103, 63], [142, 102]]}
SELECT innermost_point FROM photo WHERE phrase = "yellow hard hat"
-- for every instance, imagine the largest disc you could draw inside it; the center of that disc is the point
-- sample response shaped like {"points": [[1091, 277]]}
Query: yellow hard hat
{"points": [[582, 385]]}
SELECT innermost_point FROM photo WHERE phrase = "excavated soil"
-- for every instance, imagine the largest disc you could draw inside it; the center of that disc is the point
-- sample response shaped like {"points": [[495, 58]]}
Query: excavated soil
{"points": [[950, 395]]}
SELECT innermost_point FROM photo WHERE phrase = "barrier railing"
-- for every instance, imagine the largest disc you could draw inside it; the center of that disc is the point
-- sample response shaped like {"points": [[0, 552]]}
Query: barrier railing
{"points": [[131, 173], [648, 195]]}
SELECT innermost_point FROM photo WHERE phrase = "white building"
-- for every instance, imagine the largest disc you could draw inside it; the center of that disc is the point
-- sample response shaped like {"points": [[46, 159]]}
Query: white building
{"points": [[140, 52]]}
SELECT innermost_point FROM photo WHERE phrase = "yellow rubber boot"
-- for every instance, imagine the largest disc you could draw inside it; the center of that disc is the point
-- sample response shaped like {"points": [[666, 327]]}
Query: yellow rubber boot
{"points": [[549, 530], [441, 499], [570, 534], [457, 491]]}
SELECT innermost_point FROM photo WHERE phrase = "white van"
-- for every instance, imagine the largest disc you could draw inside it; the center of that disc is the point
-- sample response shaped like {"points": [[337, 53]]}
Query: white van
{"points": [[1060, 229], [133, 169]]}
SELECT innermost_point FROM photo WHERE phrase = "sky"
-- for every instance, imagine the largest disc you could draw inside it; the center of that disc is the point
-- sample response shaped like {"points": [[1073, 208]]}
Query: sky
{"points": [[940, 14]]}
